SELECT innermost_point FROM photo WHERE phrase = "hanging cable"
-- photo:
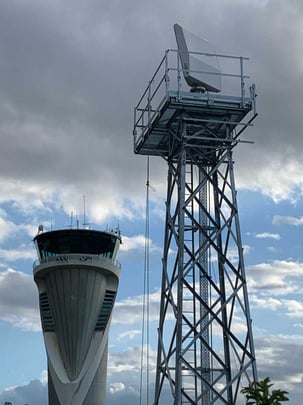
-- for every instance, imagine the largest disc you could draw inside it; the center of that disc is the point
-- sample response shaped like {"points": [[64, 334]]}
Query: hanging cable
{"points": [[146, 291]]}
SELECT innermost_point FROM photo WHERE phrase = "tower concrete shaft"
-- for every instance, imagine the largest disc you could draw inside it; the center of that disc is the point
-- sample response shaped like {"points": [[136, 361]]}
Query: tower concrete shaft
{"points": [[77, 281], [205, 342]]}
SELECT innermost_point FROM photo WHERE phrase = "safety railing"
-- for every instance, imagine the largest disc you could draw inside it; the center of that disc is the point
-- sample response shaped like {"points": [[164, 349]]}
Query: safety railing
{"points": [[168, 82]]}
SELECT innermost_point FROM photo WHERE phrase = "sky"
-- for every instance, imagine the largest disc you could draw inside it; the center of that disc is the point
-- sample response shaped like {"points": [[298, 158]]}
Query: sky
{"points": [[71, 73]]}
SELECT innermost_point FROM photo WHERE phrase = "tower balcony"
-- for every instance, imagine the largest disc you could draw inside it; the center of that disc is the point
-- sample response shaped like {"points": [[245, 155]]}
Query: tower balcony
{"points": [[169, 103]]}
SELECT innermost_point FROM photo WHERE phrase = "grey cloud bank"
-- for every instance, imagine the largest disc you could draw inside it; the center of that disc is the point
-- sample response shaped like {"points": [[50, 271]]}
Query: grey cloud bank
{"points": [[72, 73]]}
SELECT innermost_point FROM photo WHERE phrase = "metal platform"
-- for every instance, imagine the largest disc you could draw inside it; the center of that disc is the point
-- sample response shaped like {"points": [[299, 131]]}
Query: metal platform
{"points": [[207, 115]]}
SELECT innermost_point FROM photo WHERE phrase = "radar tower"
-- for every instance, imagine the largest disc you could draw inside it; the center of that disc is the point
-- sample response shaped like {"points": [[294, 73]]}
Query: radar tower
{"points": [[192, 115]]}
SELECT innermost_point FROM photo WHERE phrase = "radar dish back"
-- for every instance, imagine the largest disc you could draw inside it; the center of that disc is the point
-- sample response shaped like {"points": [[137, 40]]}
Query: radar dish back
{"points": [[200, 66]]}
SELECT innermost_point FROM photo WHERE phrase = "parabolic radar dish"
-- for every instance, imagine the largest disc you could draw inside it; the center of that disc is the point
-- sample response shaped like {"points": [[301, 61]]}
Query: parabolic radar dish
{"points": [[199, 63]]}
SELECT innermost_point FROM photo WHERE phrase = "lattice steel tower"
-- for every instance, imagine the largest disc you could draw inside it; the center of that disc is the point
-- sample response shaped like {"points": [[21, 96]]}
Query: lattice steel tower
{"points": [[192, 115]]}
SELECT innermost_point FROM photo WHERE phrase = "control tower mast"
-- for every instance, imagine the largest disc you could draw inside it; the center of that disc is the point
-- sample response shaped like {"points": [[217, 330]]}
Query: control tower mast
{"points": [[205, 343]]}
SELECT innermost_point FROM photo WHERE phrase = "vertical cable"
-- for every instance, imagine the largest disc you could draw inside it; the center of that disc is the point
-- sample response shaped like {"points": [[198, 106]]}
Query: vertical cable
{"points": [[146, 291], [147, 242]]}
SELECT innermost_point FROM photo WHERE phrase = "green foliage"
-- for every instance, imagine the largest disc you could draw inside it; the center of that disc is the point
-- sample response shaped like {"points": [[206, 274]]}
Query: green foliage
{"points": [[258, 393]]}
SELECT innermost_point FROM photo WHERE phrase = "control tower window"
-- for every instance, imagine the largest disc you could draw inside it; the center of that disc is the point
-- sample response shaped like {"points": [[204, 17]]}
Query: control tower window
{"points": [[77, 242]]}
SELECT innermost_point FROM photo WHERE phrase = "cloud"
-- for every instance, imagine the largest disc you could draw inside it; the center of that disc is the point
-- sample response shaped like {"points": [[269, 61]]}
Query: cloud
{"points": [[130, 334], [287, 220], [136, 242], [33, 393], [267, 235], [125, 366], [22, 253], [19, 300], [271, 249], [269, 303], [52, 111], [292, 308], [126, 311], [66, 104], [14, 234], [279, 277], [272, 180], [6, 228], [277, 357], [137, 245], [116, 387]]}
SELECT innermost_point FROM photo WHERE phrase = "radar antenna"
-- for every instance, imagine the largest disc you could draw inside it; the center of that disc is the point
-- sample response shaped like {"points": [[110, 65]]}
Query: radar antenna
{"points": [[201, 70]]}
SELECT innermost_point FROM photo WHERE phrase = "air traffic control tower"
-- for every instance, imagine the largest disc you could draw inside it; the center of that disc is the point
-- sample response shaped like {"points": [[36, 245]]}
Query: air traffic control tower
{"points": [[77, 279], [192, 114]]}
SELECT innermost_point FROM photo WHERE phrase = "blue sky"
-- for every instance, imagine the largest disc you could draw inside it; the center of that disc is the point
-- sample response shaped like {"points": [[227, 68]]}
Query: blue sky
{"points": [[70, 75]]}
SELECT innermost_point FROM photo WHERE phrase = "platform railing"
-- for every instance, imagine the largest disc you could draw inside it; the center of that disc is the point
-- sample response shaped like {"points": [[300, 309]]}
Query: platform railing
{"points": [[168, 81]]}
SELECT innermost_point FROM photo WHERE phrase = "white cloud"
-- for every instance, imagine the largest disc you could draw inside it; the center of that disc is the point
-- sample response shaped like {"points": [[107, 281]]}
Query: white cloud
{"points": [[137, 243], [44, 377], [130, 310], [272, 179], [7, 229], [267, 235], [272, 249], [10, 231], [130, 360], [129, 335], [116, 387], [287, 220], [292, 308], [25, 196], [22, 253], [266, 303], [275, 277]]}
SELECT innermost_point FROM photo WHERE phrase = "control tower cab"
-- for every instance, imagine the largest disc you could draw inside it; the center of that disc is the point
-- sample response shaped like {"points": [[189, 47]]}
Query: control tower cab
{"points": [[77, 278]]}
